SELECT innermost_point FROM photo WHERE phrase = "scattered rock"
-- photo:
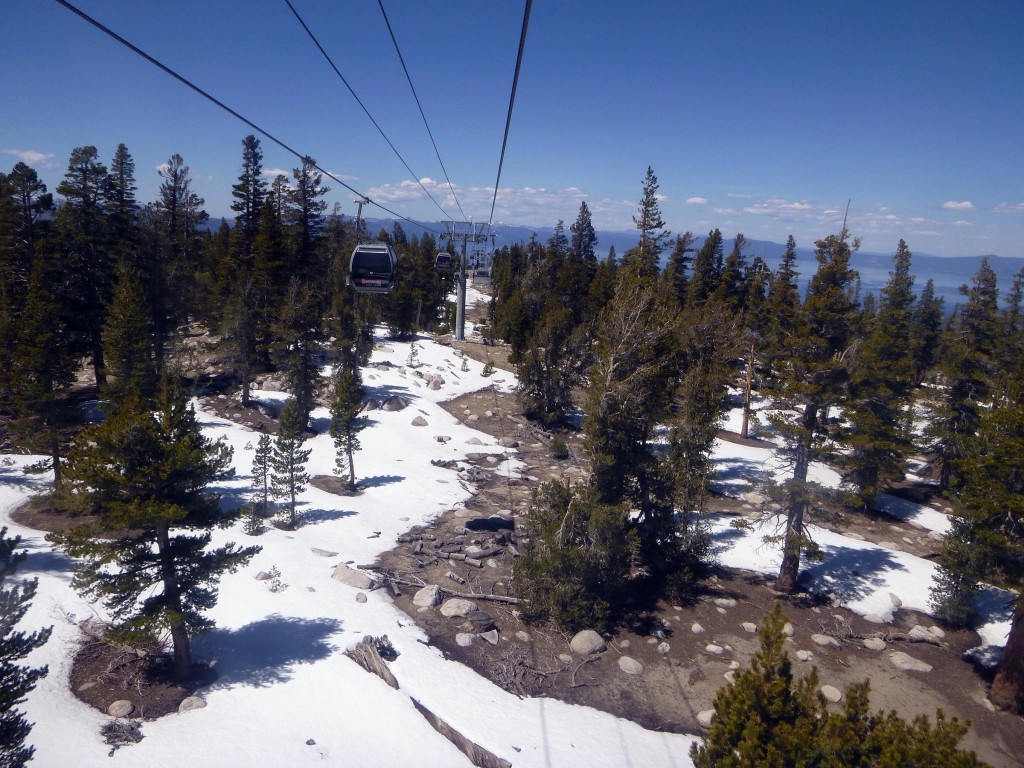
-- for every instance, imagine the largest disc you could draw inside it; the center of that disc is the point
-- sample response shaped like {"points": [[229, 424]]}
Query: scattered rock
{"points": [[191, 702], [825, 640], [895, 600], [734, 665], [704, 718], [874, 618], [442, 438], [565, 658], [920, 634], [831, 693], [520, 635], [730, 677], [715, 650], [508, 442], [264, 576], [121, 708], [474, 441], [587, 642], [624, 644], [458, 607], [724, 602], [419, 421], [874, 643], [788, 629], [908, 663], [664, 648], [696, 628], [491, 636], [360, 597], [749, 626], [464, 639], [630, 666], [427, 597], [321, 552], [853, 535], [936, 632], [353, 578], [481, 620], [805, 655], [394, 403]]}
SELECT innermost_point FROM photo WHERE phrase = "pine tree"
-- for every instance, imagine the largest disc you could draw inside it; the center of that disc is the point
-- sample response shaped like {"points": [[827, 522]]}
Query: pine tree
{"points": [[296, 349], [678, 266], [128, 342], [145, 475], [305, 216], [783, 303], [814, 380], [249, 193], [551, 364], [288, 477], [968, 368], [346, 423], [261, 483], [926, 331], [122, 209], [646, 259], [768, 719], [706, 273], [15, 680], [732, 288], [878, 434]]}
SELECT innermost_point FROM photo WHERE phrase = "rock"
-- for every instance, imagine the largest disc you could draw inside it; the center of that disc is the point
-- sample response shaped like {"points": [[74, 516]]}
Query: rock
{"points": [[874, 618], [936, 535], [353, 578], [474, 441], [464, 639], [696, 628], [908, 663], [394, 403], [895, 600], [874, 643], [491, 636], [121, 708], [624, 644], [436, 384], [442, 438], [419, 421], [482, 620], [427, 597], [730, 677], [458, 607], [805, 655], [360, 597], [191, 702], [788, 629], [920, 634], [936, 632], [734, 665], [565, 658], [587, 642], [508, 442], [664, 649], [520, 635], [749, 626], [264, 576], [826, 640], [630, 666], [652, 641], [322, 552], [724, 602], [704, 718], [715, 650], [889, 545], [831, 693]]}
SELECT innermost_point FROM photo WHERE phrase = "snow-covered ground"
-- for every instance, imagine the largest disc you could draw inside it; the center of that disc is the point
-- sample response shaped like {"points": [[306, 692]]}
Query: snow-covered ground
{"points": [[283, 679]]}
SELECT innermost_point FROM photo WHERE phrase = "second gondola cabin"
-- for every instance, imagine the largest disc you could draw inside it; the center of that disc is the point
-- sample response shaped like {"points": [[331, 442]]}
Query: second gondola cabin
{"points": [[373, 268]]}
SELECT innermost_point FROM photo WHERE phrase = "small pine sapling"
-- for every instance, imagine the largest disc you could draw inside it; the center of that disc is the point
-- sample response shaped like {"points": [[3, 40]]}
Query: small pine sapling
{"points": [[346, 423], [260, 508], [288, 475], [488, 370], [413, 360]]}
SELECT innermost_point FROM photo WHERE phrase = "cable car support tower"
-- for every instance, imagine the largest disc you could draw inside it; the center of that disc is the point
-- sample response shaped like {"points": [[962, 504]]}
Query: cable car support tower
{"points": [[461, 233]]}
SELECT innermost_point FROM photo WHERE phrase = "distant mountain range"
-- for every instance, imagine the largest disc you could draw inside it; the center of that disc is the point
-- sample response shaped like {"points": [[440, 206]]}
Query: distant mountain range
{"points": [[948, 272]]}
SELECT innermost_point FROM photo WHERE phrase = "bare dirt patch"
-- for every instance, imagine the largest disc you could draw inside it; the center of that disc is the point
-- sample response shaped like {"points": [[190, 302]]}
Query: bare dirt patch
{"points": [[683, 668]]}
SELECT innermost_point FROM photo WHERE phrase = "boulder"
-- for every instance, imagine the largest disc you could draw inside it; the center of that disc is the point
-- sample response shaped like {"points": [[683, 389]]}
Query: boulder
{"points": [[353, 578], [696, 628], [874, 643], [704, 718], [394, 403], [491, 636], [749, 626], [427, 597], [322, 552], [121, 708], [920, 634], [481, 620], [458, 607], [523, 636], [436, 384], [724, 602], [936, 632], [664, 648], [714, 649], [587, 642], [191, 702], [895, 600], [464, 639], [805, 655], [630, 666], [361, 597], [831, 693], [369, 405], [908, 663], [787, 629], [825, 640], [419, 421]]}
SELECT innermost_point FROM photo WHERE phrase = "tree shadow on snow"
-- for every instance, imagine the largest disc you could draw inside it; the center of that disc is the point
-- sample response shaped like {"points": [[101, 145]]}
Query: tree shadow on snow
{"points": [[378, 480], [267, 651], [314, 516], [729, 471], [851, 573]]}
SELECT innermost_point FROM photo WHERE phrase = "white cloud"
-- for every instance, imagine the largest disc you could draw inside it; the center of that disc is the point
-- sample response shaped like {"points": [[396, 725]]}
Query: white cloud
{"points": [[31, 157], [962, 223], [273, 173], [926, 233], [952, 205], [696, 200], [918, 220], [1010, 208], [660, 197], [726, 211]]}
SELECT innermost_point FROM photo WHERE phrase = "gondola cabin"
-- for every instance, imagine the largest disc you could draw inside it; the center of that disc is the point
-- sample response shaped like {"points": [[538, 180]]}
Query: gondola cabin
{"points": [[443, 262], [373, 269]]}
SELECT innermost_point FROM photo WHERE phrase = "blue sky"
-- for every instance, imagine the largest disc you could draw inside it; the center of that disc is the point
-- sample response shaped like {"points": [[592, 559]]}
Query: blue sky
{"points": [[761, 118]]}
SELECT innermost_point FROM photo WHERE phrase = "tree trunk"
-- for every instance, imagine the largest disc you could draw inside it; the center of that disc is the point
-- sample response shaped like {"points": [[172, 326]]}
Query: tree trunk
{"points": [[351, 469], [172, 594], [1008, 687], [55, 453], [790, 568], [98, 366], [746, 392]]}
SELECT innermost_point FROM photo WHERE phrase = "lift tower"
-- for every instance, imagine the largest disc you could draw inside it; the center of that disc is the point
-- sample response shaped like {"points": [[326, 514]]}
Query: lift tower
{"points": [[461, 233]]}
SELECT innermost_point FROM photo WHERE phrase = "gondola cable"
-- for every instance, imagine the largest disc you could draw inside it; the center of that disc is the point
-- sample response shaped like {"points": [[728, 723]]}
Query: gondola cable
{"points": [[511, 103], [420, 106], [185, 81], [367, 111]]}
